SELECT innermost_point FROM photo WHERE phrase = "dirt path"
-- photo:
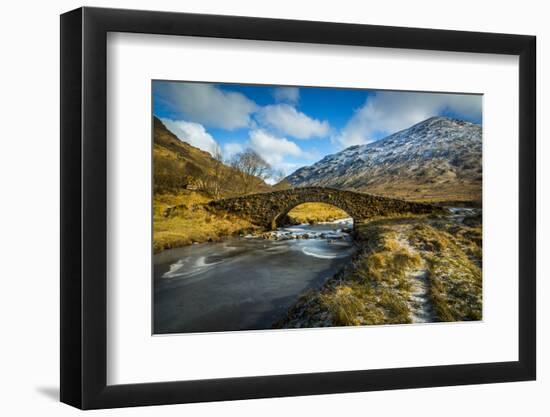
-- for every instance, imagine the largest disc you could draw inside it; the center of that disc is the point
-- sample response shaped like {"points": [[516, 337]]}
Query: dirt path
{"points": [[421, 307], [419, 302]]}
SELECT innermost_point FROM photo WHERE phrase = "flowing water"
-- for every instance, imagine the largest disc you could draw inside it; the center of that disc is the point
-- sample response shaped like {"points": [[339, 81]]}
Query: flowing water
{"points": [[245, 283]]}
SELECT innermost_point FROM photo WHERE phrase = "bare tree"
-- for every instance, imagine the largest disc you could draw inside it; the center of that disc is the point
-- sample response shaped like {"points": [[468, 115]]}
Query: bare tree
{"points": [[218, 170], [250, 165]]}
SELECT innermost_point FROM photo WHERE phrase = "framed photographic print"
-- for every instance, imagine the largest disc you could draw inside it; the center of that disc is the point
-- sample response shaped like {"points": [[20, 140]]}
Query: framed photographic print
{"points": [[258, 207]]}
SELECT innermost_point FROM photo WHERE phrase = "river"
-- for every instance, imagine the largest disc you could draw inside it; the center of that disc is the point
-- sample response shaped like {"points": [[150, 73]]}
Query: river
{"points": [[245, 283]]}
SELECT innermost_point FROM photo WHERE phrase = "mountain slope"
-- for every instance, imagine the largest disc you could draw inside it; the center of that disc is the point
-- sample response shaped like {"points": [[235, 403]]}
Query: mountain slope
{"points": [[178, 165], [185, 178], [438, 159]]}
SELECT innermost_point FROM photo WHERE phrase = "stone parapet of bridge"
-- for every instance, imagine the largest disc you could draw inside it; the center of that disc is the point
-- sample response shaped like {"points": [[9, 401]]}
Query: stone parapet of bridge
{"points": [[268, 209]]}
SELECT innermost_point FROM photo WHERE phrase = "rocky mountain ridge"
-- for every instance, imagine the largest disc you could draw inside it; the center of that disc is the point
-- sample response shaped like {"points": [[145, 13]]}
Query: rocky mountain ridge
{"points": [[439, 159]]}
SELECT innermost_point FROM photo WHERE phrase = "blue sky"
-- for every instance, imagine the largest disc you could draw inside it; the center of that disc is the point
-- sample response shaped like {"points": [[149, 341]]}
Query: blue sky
{"points": [[295, 126]]}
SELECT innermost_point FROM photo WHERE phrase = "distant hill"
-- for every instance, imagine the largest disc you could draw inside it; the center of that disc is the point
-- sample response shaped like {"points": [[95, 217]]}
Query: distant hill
{"points": [[178, 165], [438, 159]]}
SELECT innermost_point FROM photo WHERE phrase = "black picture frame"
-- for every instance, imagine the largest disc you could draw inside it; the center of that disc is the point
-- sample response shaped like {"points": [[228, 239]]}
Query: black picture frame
{"points": [[84, 207]]}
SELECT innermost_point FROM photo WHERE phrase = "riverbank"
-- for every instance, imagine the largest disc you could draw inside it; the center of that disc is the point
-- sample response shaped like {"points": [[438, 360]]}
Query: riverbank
{"points": [[181, 219], [413, 269]]}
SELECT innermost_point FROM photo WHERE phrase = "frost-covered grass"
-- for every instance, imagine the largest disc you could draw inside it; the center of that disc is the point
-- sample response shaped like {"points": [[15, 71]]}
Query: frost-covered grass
{"points": [[377, 282], [373, 290], [377, 288], [454, 273]]}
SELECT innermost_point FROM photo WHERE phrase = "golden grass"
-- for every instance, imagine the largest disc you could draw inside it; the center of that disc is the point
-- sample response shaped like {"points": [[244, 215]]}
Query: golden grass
{"points": [[376, 288], [428, 193], [179, 219], [315, 213], [189, 222]]}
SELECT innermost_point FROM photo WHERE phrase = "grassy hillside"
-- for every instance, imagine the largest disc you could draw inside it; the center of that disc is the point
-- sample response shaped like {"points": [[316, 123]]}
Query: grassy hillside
{"points": [[428, 192], [185, 178], [178, 165]]}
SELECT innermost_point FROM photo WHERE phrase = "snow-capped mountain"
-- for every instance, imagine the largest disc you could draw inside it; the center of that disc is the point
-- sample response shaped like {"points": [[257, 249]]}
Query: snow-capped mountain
{"points": [[437, 159]]}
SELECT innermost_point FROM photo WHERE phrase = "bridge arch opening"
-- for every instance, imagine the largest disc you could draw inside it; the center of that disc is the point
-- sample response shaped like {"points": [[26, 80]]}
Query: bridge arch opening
{"points": [[311, 212]]}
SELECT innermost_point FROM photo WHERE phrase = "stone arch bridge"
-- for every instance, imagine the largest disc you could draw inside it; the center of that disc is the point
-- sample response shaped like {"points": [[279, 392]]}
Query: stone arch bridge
{"points": [[268, 209]]}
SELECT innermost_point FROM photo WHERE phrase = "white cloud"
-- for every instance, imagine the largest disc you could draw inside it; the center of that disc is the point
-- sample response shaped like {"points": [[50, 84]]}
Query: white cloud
{"points": [[232, 148], [207, 104], [388, 112], [193, 133], [289, 121], [273, 149], [287, 94], [289, 167]]}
